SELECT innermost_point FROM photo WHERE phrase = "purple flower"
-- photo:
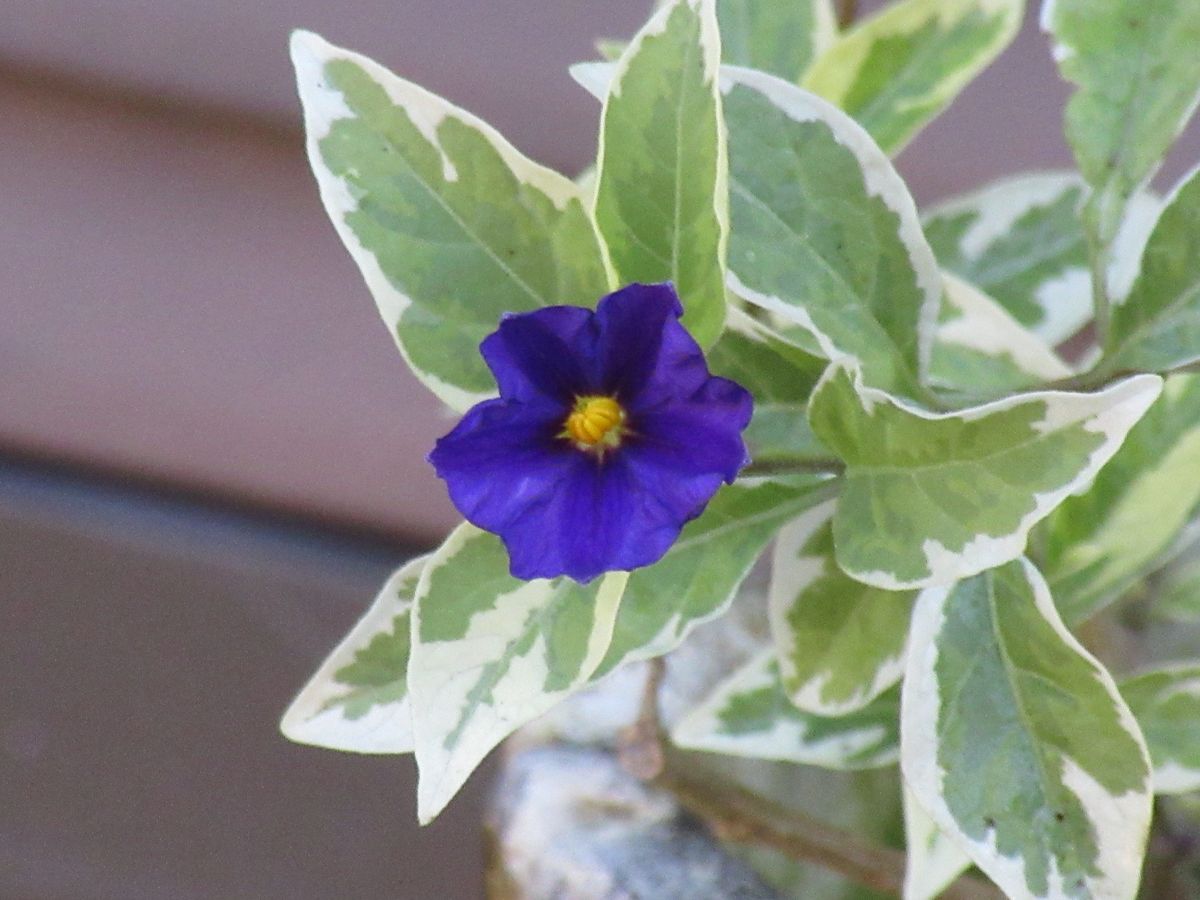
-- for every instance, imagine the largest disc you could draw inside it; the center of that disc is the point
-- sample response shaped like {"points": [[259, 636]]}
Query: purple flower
{"points": [[608, 435]]}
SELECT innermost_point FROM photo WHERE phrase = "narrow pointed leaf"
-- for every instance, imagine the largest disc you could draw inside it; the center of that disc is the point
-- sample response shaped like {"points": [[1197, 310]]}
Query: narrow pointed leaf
{"points": [[840, 643], [932, 497], [1099, 544], [1016, 740], [662, 193], [897, 70], [696, 581], [824, 232], [358, 699], [1166, 704], [1157, 326], [934, 859], [980, 349], [491, 652], [781, 376], [782, 37], [1137, 75], [748, 714], [450, 226]]}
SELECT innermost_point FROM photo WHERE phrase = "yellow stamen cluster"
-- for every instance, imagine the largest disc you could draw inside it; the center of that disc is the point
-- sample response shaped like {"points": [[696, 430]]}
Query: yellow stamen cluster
{"points": [[595, 423]]}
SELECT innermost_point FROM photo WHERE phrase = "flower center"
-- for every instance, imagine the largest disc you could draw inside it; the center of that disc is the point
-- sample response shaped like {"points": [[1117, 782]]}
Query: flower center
{"points": [[595, 423]]}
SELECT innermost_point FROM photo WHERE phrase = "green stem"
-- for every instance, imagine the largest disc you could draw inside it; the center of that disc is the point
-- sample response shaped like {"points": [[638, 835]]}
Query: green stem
{"points": [[806, 466], [847, 13]]}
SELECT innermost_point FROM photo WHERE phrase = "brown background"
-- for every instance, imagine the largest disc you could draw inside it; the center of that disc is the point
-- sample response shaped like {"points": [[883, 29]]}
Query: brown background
{"points": [[210, 453]]}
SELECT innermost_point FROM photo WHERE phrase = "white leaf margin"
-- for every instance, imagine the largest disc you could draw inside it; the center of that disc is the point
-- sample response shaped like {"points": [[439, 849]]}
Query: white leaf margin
{"points": [[879, 176], [787, 741], [441, 676], [1173, 776], [833, 74], [386, 728], [1110, 412], [933, 859], [881, 180], [984, 326], [920, 703], [710, 47], [791, 574], [324, 107]]}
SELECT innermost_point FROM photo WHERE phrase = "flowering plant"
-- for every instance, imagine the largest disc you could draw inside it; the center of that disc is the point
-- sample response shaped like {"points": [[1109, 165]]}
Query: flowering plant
{"points": [[737, 338]]}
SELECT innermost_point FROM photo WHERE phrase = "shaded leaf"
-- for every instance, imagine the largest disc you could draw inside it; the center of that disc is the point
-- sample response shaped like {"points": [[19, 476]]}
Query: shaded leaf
{"points": [[748, 714]]}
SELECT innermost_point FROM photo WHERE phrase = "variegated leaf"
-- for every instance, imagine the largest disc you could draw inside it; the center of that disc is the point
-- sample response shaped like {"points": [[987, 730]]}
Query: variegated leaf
{"points": [[696, 581], [662, 193], [1157, 326], [932, 497], [1016, 740], [1138, 79], [824, 232], [358, 699], [782, 37], [1096, 546], [491, 652], [1166, 704], [749, 715], [933, 858], [839, 642], [897, 70], [450, 226], [981, 350], [1020, 241]]}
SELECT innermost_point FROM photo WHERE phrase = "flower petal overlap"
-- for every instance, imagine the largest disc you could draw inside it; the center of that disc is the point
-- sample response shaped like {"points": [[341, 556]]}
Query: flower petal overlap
{"points": [[563, 503]]}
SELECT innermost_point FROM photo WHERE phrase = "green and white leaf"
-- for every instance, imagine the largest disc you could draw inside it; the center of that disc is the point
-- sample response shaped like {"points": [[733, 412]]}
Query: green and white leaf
{"points": [[981, 349], [450, 226], [840, 644], [897, 70], [1137, 75], [1020, 241], [662, 194], [824, 233], [491, 652], [781, 376], [1166, 704], [1016, 741], [934, 860], [929, 497], [782, 37], [358, 699], [1099, 544], [1157, 326], [749, 715], [696, 581]]}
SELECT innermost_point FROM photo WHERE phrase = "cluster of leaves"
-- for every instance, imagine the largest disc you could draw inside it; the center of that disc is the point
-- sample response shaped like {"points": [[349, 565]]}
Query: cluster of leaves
{"points": [[951, 501]]}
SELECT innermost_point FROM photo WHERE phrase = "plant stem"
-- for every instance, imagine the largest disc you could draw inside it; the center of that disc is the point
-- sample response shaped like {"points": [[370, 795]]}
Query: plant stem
{"points": [[847, 13], [737, 815], [829, 466]]}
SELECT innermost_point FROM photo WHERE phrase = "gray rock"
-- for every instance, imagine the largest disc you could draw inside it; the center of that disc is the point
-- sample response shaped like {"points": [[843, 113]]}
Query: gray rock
{"points": [[568, 823]]}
